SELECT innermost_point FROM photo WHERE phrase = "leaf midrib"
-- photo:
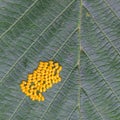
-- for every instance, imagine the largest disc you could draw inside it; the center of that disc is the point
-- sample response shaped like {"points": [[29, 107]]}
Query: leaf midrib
{"points": [[56, 53], [79, 49]]}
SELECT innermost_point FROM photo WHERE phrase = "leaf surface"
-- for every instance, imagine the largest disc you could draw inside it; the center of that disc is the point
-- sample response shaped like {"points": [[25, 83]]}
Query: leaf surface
{"points": [[83, 36]]}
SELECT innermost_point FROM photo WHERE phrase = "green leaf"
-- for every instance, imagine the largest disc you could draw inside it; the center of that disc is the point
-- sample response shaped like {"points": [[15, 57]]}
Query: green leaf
{"points": [[83, 36]]}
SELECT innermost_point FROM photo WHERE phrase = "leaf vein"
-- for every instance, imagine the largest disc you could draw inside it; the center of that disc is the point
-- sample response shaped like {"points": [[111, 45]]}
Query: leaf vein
{"points": [[57, 92], [21, 102], [71, 113], [111, 9], [64, 43], [92, 102], [2, 79], [101, 74], [17, 20], [106, 36]]}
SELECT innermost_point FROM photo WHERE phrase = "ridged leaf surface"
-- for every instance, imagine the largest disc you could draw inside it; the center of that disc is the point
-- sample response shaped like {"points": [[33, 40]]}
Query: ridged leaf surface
{"points": [[83, 36]]}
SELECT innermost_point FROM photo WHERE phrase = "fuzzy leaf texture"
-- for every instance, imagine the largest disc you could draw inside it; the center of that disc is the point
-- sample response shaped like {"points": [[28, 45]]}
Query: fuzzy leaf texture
{"points": [[83, 36]]}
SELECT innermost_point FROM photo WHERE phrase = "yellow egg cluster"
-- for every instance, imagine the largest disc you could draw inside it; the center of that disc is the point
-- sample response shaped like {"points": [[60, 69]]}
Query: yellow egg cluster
{"points": [[43, 78]]}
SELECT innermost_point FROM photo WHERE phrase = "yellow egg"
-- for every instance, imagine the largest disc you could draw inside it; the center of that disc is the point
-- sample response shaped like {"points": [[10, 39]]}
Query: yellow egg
{"points": [[42, 78]]}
